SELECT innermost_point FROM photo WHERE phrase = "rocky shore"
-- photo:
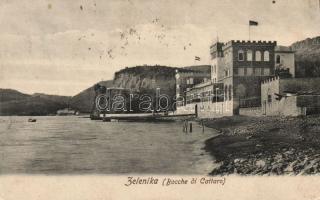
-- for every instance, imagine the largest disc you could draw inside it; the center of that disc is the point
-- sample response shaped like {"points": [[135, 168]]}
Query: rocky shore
{"points": [[265, 145]]}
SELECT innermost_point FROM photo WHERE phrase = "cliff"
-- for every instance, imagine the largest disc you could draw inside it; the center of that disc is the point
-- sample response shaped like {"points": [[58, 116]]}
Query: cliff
{"points": [[147, 79]]}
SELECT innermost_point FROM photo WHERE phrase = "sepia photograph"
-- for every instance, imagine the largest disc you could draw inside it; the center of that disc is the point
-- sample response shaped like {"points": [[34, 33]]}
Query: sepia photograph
{"points": [[159, 93]]}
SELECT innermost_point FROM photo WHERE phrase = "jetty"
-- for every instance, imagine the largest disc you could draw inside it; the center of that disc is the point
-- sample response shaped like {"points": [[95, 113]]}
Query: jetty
{"points": [[143, 117]]}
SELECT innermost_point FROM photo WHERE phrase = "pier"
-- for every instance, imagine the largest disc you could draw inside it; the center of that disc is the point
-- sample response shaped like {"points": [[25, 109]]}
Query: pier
{"points": [[145, 117]]}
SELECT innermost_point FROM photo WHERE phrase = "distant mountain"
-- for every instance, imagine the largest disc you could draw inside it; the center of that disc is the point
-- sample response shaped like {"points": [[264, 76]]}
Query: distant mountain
{"points": [[13, 102], [54, 98], [9, 95], [307, 57]]}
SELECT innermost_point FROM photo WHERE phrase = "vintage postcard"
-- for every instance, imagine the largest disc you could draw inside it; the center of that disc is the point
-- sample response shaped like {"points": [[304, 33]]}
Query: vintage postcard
{"points": [[159, 99]]}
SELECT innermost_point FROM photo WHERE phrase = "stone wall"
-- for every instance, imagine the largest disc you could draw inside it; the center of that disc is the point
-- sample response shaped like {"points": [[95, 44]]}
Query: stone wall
{"points": [[187, 109], [254, 111], [207, 109], [288, 107]]}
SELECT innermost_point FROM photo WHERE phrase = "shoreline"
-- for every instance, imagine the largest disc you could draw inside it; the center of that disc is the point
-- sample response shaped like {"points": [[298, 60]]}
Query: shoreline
{"points": [[265, 145]]}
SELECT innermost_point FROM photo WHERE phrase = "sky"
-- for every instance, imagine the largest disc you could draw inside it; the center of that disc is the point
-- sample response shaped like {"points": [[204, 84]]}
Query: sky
{"points": [[65, 46]]}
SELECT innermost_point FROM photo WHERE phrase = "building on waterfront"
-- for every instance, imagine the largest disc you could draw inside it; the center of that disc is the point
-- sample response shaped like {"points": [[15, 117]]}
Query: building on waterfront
{"points": [[188, 77], [237, 70], [243, 74]]}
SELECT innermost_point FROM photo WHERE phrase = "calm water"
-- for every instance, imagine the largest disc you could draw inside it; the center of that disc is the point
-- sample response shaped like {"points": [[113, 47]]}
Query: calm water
{"points": [[73, 145]]}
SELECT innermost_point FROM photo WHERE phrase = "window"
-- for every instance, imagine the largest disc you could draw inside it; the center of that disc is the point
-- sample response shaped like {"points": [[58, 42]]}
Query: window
{"points": [[240, 55], [262, 71], [227, 73], [226, 93], [235, 71], [258, 56], [245, 71], [215, 68], [249, 71], [258, 71], [266, 71], [241, 71], [278, 60], [249, 55], [266, 56], [230, 92]]}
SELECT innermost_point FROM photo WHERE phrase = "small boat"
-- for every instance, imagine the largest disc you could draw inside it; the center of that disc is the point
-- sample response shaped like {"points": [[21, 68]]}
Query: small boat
{"points": [[32, 120]]}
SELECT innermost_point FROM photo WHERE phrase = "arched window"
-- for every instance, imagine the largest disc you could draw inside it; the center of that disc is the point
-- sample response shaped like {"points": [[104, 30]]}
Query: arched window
{"points": [[230, 92], [240, 55], [278, 60], [249, 55], [258, 56], [266, 56]]}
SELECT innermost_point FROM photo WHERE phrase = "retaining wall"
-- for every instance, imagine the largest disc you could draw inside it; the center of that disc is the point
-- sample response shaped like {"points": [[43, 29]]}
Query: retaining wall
{"points": [[254, 111]]}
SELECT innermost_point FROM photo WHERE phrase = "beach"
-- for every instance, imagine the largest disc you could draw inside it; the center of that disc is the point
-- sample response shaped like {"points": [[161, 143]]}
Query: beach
{"points": [[265, 145]]}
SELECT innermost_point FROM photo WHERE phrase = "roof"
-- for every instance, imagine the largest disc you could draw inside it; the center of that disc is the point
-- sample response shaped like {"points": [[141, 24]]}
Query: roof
{"points": [[203, 84]]}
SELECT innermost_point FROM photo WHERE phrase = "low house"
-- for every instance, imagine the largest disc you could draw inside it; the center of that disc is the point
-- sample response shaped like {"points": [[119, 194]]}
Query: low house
{"points": [[290, 97]]}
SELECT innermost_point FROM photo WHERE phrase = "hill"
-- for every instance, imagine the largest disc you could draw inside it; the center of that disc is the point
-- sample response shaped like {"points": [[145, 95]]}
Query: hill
{"points": [[83, 101], [54, 98], [9, 95], [307, 50], [13, 102], [200, 68]]}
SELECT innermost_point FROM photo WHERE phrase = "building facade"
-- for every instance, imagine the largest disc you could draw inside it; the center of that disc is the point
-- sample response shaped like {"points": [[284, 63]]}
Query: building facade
{"points": [[237, 70], [284, 60], [185, 80]]}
